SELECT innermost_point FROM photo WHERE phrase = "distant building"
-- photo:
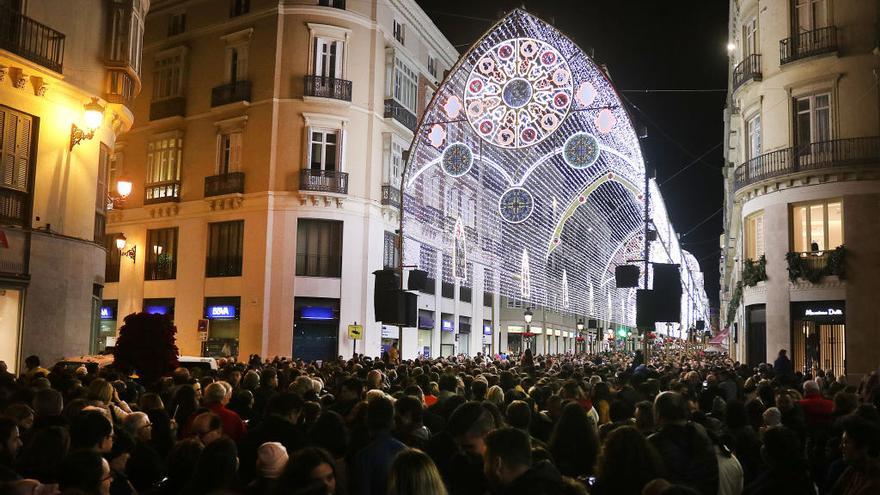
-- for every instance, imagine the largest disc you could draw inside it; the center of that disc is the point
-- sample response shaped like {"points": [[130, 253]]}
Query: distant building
{"points": [[802, 185], [67, 77]]}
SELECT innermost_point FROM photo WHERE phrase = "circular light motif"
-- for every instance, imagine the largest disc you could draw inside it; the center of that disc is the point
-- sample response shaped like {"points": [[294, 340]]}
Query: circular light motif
{"points": [[516, 205], [585, 94], [457, 159], [523, 86], [517, 92], [580, 150], [605, 121]]}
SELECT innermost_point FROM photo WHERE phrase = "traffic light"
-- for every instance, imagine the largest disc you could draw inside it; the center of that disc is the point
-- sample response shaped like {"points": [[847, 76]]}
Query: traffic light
{"points": [[621, 332]]}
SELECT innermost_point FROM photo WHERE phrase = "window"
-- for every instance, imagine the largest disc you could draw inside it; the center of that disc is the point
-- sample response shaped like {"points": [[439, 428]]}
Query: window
{"points": [[236, 63], [432, 66], [161, 254], [16, 140], [405, 87], [399, 31], [111, 269], [812, 121], [339, 4], [750, 37], [114, 170], [754, 236], [810, 14], [390, 253], [225, 247], [168, 75], [819, 223], [328, 57], [318, 248], [176, 23], [393, 161], [240, 7], [101, 192], [753, 137], [126, 33], [163, 159], [228, 152], [324, 149]]}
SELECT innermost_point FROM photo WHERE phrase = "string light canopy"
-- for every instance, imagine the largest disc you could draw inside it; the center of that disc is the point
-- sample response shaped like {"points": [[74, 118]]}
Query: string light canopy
{"points": [[526, 163]]}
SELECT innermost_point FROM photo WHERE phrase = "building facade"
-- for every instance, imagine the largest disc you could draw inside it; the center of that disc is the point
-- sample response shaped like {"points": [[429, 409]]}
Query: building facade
{"points": [[802, 184], [66, 84], [265, 163]]}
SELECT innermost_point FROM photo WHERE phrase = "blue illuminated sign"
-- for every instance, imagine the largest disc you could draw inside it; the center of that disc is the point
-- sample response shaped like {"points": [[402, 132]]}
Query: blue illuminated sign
{"points": [[221, 311], [446, 326], [317, 313], [487, 330], [107, 313]]}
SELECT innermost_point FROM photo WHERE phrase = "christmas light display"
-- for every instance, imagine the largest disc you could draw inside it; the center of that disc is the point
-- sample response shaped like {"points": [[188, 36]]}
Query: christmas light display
{"points": [[526, 165]]}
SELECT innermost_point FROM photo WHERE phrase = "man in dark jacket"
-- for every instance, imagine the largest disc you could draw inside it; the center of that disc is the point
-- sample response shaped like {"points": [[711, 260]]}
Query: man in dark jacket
{"points": [[280, 425], [782, 366], [684, 446], [372, 464], [507, 463]]}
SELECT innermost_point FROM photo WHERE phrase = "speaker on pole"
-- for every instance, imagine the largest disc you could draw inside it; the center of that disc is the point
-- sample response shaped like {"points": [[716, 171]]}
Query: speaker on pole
{"points": [[418, 280], [626, 276], [384, 302]]}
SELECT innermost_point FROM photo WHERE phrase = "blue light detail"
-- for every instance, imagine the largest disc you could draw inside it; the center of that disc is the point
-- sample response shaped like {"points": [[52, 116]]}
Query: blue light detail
{"points": [[220, 312], [157, 310], [317, 313], [107, 313]]}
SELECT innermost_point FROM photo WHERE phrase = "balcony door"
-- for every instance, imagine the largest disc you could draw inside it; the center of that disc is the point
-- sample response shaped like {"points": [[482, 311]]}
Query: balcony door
{"points": [[328, 58], [810, 15], [812, 127]]}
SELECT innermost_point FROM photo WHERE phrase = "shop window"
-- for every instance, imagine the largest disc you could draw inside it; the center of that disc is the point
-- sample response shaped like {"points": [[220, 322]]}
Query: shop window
{"points": [[161, 254], [225, 248], [318, 248]]}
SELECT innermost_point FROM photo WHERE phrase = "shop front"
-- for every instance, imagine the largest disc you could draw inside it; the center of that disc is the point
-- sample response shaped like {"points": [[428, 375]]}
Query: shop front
{"points": [[818, 336], [390, 336], [518, 341], [224, 324], [10, 326], [426, 330], [487, 338], [464, 334], [315, 328], [447, 335], [163, 306]]}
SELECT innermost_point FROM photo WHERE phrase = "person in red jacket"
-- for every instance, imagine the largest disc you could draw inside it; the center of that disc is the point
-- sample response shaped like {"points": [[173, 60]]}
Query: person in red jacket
{"points": [[817, 409], [215, 399]]}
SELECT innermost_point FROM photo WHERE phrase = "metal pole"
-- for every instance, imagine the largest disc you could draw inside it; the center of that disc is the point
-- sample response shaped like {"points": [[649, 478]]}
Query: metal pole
{"points": [[647, 248]]}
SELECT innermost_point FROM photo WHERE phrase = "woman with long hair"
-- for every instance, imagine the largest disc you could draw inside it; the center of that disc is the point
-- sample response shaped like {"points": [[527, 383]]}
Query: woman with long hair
{"points": [[310, 471], [184, 403], [602, 401], [573, 443], [628, 463], [414, 473], [216, 470]]}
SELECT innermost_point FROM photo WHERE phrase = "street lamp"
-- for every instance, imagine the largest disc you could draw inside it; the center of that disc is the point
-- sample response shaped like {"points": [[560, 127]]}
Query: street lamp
{"points": [[527, 316], [580, 331], [93, 116], [120, 245]]}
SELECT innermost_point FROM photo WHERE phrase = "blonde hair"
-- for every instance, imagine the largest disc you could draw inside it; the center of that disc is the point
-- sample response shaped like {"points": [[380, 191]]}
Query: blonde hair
{"points": [[101, 390], [495, 395], [414, 473]]}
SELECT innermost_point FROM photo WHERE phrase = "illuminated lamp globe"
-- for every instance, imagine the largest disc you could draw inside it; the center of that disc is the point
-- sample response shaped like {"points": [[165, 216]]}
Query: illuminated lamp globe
{"points": [[93, 115], [580, 325], [527, 315], [123, 187], [731, 47], [120, 242]]}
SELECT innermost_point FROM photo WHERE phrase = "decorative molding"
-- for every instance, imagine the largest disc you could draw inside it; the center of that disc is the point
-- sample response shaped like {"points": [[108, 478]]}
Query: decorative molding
{"points": [[163, 211], [326, 200], [42, 88], [21, 79], [4, 71], [225, 202]]}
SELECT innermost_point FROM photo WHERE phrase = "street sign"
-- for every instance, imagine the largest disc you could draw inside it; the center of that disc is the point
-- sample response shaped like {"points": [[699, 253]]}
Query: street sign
{"points": [[355, 332]]}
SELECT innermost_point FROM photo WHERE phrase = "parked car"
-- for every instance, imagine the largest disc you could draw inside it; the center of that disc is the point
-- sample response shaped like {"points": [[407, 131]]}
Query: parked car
{"points": [[103, 360]]}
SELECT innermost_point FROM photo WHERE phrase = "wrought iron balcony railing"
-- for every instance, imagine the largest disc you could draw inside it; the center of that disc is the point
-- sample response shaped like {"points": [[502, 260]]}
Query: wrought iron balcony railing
{"points": [[162, 192], [14, 205], [169, 107], [747, 70], [808, 43], [323, 181], [28, 38], [121, 88], [231, 93], [231, 183], [824, 154], [398, 112], [327, 87], [390, 196]]}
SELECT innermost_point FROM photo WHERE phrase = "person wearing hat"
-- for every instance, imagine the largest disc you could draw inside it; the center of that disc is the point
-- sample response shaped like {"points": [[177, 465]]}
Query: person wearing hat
{"points": [[271, 460]]}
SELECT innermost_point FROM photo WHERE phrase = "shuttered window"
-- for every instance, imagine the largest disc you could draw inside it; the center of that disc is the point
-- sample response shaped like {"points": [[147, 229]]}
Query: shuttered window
{"points": [[225, 245], [16, 146]]}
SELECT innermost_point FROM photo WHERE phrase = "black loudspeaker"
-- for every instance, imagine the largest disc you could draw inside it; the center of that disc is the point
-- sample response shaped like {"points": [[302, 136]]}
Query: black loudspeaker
{"points": [[406, 308], [418, 280], [592, 324], [653, 306], [701, 325], [384, 305], [626, 276], [667, 278]]}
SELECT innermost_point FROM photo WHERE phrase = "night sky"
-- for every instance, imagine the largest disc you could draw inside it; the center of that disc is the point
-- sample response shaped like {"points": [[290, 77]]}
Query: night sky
{"points": [[646, 45]]}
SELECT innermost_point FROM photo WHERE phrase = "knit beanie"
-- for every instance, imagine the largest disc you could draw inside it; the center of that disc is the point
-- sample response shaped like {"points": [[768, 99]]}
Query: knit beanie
{"points": [[271, 459]]}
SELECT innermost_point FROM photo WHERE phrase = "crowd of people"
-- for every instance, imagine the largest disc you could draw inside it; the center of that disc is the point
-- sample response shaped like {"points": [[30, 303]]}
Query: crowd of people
{"points": [[682, 421]]}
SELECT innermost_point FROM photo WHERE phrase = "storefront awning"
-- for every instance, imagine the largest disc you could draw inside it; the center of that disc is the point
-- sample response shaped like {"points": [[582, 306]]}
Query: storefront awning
{"points": [[721, 338]]}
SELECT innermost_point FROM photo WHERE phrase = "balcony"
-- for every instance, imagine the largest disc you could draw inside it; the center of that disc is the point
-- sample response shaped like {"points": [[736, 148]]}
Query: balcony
{"points": [[162, 192], [814, 156], [28, 38], [396, 111], [231, 93], [218, 185], [14, 205], [169, 107], [329, 181], [390, 196], [807, 44], [327, 87], [747, 70], [813, 265], [121, 87]]}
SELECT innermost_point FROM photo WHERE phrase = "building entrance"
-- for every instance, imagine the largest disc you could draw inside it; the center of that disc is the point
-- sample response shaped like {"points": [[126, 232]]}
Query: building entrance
{"points": [[818, 337]]}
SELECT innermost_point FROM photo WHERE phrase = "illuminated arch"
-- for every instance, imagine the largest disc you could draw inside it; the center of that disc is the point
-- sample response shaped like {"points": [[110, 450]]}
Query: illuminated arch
{"points": [[527, 120]]}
